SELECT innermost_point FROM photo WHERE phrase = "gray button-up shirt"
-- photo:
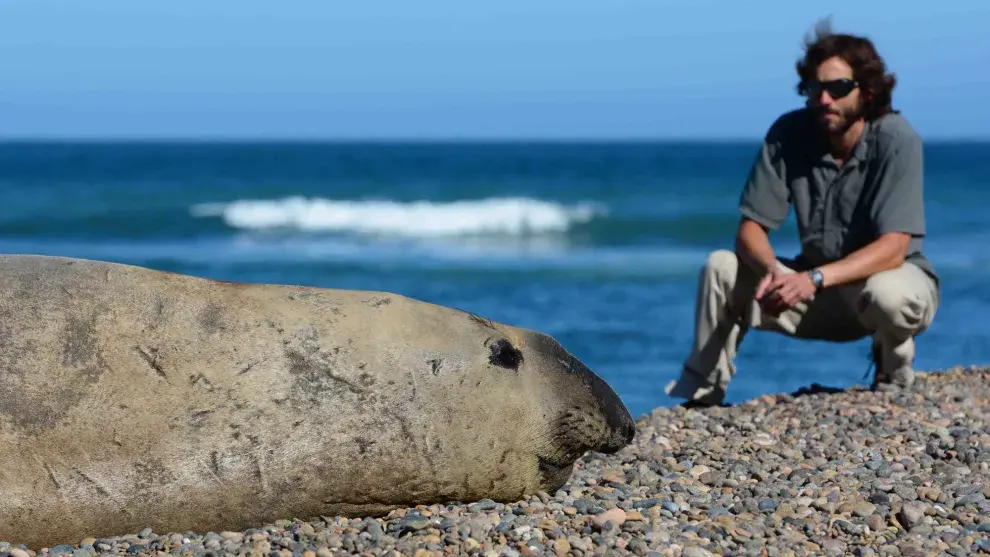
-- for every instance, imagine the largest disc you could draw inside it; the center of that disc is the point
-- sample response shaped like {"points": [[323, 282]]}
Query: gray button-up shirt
{"points": [[840, 209]]}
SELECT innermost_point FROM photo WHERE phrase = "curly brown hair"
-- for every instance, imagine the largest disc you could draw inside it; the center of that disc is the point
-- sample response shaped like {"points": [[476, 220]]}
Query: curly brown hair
{"points": [[869, 69]]}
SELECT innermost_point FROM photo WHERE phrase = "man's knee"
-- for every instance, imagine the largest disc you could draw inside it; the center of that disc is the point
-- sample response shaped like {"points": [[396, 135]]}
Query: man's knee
{"points": [[722, 264], [888, 301]]}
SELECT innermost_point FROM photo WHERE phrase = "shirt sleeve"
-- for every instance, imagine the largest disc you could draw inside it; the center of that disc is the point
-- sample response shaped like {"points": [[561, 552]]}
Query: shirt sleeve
{"points": [[898, 204], [765, 197]]}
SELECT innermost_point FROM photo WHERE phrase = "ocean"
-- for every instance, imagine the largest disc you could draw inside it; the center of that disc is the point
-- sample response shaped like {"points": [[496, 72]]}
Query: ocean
{"points": [[597, 244]]}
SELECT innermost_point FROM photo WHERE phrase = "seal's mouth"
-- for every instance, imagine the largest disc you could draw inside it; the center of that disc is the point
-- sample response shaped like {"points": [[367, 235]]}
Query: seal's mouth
{"points": [[621, 436], [553, 475]]}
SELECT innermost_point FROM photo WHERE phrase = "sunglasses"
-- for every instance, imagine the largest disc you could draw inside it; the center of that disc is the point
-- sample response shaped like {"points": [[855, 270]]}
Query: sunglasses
{"points": [[836, 88]]}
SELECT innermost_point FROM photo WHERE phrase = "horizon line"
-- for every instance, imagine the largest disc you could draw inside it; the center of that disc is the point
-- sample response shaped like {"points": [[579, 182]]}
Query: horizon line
{"points": [[502, 139]]}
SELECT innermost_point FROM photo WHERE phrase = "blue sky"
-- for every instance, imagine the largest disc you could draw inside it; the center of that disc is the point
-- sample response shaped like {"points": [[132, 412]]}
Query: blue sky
{"points": [[446, 69]]}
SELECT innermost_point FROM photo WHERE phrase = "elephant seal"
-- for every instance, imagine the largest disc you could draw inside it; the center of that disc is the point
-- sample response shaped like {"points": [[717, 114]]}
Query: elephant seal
{"points": [[133, 398]]}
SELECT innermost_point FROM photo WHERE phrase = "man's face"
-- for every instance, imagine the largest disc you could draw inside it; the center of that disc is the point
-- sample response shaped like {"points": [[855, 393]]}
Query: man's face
{"points": [[834, 96]]}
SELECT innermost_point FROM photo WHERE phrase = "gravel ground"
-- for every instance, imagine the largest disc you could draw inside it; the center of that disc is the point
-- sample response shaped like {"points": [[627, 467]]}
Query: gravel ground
{"points": [[814, 473]]}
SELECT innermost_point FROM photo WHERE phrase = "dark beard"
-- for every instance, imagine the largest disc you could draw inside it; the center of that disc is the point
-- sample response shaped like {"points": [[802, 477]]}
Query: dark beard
{"points": [[847, 121]]}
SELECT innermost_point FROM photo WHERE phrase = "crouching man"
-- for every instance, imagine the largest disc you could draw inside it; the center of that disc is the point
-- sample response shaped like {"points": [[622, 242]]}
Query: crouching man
{"points": [[851, 168]]}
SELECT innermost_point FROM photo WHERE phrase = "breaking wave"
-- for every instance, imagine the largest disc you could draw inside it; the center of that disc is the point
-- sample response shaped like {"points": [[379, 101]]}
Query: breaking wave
{"points": [[503, 216]]}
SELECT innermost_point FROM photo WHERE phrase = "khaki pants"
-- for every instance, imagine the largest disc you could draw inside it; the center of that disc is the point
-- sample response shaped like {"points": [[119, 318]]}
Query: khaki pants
{"points": [[892, 306]]}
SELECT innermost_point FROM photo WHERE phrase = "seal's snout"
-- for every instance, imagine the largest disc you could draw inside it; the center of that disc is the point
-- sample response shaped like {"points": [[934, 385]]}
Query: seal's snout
{"points": [[620, 426], [603, 423], [624, 434]]}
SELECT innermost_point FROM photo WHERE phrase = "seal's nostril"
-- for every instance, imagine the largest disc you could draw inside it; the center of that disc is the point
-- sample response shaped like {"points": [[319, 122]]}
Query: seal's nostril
{"points": [[505, 355]]}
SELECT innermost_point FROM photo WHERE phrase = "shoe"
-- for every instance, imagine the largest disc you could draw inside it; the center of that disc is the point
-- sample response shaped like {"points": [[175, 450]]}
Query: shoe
{"points": [[882, 381], [697, 396], [690, 404]]}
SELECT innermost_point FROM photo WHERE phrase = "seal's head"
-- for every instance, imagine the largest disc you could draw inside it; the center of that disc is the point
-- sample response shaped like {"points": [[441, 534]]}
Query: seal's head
{"points": [[582, 412]]}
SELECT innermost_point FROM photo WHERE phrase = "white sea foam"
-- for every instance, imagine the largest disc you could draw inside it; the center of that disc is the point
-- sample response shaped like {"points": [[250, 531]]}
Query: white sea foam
{"points": [[505, 216]]}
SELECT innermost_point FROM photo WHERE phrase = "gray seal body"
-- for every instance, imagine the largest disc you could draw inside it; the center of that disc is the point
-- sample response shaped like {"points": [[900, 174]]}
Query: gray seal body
{"points": [[133, 398]]}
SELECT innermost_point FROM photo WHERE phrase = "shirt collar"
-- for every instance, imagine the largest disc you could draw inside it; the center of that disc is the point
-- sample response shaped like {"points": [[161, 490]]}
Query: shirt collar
{"points": [[862, 149]]}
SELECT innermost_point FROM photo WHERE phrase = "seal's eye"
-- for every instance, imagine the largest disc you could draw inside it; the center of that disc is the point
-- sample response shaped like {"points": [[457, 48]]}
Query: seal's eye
{"points": [[504, 354]]}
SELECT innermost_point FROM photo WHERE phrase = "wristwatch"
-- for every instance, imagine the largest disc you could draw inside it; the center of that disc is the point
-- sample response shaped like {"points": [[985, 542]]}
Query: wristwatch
{"points": [[816, 278]]}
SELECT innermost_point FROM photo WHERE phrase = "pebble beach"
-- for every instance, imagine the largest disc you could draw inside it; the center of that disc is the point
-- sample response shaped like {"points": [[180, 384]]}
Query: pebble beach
{"points": [[817, 472]]}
